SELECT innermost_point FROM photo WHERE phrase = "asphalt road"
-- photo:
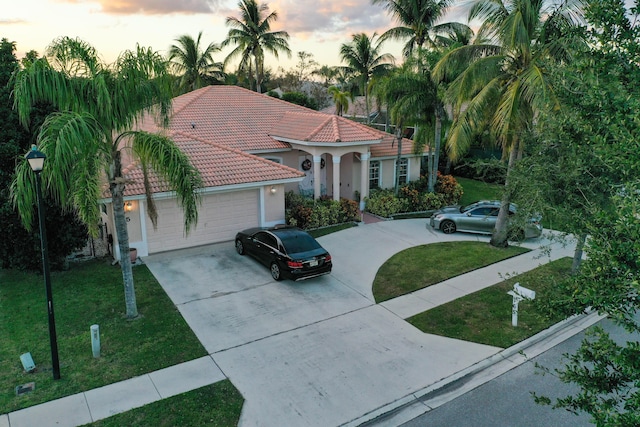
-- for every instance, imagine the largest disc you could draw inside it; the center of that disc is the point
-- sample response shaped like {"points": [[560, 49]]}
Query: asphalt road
{"points": [[507, 399]]}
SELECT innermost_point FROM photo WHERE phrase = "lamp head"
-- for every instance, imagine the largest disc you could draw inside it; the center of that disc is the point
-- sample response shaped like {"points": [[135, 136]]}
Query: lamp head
{"points": [[36, 159]]}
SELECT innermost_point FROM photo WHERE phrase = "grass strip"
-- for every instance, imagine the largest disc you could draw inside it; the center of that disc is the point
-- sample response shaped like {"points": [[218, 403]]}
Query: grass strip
{"points": [[485, 316], [422, 266], [217, 405]]}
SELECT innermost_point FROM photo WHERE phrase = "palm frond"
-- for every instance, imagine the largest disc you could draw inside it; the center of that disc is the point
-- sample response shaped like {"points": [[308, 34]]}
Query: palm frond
{"points": [[167, 160]]}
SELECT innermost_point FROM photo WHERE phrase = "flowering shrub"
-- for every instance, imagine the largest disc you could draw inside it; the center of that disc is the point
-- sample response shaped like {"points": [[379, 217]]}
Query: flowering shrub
{"points": [[384, 203], [449, 187], [307, 213], [413, 197]]}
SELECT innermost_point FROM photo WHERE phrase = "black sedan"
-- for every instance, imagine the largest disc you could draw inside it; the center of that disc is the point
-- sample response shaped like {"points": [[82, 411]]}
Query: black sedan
{"points": [[288, 252]]}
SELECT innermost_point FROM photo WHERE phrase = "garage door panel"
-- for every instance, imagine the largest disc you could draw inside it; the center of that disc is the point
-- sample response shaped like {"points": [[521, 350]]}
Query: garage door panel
{"points": [[220, 217]]}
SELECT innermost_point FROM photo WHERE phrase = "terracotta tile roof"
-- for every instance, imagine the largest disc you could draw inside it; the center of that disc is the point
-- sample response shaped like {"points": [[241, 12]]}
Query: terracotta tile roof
{"points": [[219, 166], [316, 127], [219, 126], [241, 119]]}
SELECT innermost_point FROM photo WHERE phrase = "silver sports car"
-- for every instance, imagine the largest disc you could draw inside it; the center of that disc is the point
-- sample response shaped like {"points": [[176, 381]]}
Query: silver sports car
{"points": [[480, 217]]}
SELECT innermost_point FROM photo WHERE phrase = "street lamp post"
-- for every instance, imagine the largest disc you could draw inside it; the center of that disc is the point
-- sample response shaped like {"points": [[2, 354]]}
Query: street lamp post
{"points": [[36, 161]]}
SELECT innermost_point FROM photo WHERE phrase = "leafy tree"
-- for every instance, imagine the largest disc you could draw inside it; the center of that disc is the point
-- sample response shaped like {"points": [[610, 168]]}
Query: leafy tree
{"points": [[84, 141], [252, 35], [365, 61], [300, 99], [18, 247], [602, 88], [195, 66], [304, 65], [505, 83]]}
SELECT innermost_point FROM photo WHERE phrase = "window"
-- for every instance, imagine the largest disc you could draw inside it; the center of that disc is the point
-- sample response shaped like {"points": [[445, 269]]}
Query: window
{"points": [[403, 169], [482, 212], [267, 239], [275, 159], [374, 174]]}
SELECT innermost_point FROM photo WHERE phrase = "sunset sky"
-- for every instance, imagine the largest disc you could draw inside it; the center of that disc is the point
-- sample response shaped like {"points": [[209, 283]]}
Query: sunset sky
{"points": [[112, 26]]}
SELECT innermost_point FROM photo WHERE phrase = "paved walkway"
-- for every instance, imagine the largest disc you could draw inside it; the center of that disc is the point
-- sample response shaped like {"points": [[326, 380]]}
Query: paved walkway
{"points": [[337, 345]]}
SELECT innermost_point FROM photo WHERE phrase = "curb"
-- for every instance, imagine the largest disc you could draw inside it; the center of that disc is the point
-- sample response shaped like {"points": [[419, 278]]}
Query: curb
{"points": [[433, 395]]}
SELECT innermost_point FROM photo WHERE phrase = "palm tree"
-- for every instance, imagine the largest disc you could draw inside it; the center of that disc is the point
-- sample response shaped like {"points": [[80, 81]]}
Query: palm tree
{"points": [[327, 73], [411, 97], [418, 24], [195, 66], [504, 84], [87, 140], [252, 36], [364, 59], [341, 99]]}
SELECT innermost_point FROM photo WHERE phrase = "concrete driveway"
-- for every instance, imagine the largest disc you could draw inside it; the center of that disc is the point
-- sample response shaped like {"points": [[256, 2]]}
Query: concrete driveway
{"points": [[318, 352]]}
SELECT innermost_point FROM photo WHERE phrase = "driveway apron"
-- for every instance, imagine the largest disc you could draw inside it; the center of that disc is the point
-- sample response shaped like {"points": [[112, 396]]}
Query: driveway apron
{"points": [[318, 352]]}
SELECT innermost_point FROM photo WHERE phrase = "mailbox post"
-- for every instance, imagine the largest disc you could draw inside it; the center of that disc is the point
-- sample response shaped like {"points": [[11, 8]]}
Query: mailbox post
{"points": [[519, 293]]}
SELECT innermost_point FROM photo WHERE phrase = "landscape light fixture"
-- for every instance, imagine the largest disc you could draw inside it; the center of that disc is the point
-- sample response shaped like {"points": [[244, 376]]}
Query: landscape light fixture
{"points": [[36, 161]]}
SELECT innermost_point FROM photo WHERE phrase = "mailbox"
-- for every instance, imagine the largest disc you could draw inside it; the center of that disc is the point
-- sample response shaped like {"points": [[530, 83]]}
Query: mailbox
{"points": [[524, 292]]}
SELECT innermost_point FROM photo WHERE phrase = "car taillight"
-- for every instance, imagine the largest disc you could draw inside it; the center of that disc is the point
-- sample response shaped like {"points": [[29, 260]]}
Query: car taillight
{"points": [[327, 258], [294, 264]]}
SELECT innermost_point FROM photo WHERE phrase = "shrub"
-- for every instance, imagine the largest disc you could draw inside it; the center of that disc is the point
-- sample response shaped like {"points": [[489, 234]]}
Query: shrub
{"points": [[413, 197], [350, 209], [384, 203], [308, 213], [449, 188]]}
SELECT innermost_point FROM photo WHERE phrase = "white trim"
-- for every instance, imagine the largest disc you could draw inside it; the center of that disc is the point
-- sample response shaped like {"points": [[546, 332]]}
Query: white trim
{"points": [[325, 144], [261, 206], [267, 151], [213, 190], [395, 156]]}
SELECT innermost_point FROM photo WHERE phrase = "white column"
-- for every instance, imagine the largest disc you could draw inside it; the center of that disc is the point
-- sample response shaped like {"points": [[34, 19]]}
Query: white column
{"points": [[364, 178], [316, 177], [336, 177]]}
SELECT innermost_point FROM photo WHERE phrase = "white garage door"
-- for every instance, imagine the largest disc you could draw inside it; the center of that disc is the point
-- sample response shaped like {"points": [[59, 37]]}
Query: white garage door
{"points": [[220, 217]]}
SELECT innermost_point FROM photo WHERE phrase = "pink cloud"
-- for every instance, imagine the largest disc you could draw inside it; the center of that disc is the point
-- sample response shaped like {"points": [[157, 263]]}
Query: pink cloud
{"points": [[156, 7], [307, 18]]}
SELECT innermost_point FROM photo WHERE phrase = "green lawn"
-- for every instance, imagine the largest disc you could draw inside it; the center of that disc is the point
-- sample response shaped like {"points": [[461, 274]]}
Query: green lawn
{"points": [[422, 266], [216, 405], [485, 316], [478, 190], [89, 293]]}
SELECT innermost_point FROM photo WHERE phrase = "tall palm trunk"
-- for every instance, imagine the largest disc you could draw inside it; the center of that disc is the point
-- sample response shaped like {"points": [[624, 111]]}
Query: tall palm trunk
{"points": [[434, 158], [399, 130], [117, 194], [258, 88], [500, 234], [366, 102]]}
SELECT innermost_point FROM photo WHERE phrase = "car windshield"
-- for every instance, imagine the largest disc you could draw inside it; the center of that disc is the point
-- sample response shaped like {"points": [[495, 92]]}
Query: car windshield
{"points": [[298, 242]]}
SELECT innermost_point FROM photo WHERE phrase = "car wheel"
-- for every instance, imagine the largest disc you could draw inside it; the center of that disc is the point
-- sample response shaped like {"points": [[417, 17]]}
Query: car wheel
{"points": [[239, 247], [275, 271], [448, 227]]}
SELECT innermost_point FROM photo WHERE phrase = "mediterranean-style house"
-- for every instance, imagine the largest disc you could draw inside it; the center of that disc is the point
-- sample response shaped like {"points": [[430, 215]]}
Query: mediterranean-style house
{"points": [[250, 149]]}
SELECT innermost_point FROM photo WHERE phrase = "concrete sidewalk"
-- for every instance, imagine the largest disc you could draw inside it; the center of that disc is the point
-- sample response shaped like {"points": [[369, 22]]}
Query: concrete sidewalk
{"points": [[238, 361]]}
